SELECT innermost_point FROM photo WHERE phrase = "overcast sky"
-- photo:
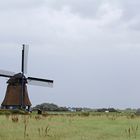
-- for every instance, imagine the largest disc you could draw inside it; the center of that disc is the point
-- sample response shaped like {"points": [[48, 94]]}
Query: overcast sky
{"points": [[91, 48]]}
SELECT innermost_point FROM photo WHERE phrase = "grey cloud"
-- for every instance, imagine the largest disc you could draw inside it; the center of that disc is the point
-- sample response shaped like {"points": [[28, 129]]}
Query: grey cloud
{"points": [[94, 42], [84, 8], [14, 5]]}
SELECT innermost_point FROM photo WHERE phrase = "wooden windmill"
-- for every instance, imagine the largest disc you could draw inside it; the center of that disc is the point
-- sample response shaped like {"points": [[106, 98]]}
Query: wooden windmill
{"points": [[17, 94]]}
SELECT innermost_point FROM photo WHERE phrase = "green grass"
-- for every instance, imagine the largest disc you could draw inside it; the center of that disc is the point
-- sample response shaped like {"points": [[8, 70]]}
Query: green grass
{"points": [[70, 127]]}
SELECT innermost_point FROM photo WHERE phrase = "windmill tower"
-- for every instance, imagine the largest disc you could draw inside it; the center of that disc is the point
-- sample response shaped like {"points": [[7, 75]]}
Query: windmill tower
{"points": [[16, 96]]}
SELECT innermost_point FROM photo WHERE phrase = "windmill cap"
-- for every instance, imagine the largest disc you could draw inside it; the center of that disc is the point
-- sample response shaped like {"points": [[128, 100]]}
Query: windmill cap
{"points": [[17, 79]]}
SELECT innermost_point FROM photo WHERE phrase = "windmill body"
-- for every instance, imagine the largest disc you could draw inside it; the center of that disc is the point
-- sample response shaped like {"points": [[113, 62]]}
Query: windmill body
{"points": [[13, 97], [17, 94]]}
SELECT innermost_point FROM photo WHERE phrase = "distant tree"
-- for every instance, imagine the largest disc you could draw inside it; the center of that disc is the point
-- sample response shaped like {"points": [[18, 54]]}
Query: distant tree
{"points": [[112, 110], [107, 109], [138, 111], [49, 107]]}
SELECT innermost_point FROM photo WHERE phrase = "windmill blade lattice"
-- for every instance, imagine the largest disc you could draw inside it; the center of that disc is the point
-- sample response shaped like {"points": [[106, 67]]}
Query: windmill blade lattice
{"points": [[40, 82], [25, 51], [5, 73]]}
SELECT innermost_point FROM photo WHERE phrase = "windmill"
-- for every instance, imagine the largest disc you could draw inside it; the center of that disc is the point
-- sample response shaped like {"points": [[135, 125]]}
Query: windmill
{"points": [[16, 96]]}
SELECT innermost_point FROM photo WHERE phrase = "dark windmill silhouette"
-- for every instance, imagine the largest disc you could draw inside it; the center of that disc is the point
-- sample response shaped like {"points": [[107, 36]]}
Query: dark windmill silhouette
{"points": [[16, 96]]}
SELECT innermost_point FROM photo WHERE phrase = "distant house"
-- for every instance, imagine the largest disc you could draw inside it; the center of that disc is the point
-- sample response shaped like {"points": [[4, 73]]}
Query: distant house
{"points": [[71, 109]]}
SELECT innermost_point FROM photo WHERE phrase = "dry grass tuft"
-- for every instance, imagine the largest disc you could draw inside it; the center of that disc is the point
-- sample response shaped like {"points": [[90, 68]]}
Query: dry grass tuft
{"points": [[44, 132], [38, 117], [15, 119], [132, 131]]}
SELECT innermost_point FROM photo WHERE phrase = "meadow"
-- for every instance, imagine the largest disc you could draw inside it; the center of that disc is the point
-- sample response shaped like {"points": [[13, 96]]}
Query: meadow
{"points": [[70, 126]]}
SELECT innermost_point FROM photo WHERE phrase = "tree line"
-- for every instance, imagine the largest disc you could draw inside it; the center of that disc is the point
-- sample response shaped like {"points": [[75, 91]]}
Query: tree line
{"points": [[54, 107]]}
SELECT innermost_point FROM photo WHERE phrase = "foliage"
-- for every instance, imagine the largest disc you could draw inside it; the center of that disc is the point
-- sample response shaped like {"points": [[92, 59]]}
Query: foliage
{"points": [[54, 107], [16, 111], [49, 107], [107, 109], [138, 112]]}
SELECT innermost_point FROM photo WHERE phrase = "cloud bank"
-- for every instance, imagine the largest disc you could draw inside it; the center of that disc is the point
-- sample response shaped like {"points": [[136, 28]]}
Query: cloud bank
{"points": [[91, 48]]}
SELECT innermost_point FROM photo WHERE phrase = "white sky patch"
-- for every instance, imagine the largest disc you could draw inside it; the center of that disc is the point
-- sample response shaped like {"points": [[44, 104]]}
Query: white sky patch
{"points": [[109, 14]]}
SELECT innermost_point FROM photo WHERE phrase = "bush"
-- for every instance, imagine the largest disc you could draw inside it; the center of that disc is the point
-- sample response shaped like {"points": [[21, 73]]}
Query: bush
{"points": [[138, 112], [107, 109], [9, 112], [85, 114], [49, 107]]}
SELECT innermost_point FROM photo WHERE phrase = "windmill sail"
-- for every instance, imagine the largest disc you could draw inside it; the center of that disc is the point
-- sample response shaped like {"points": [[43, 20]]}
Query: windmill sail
{"points": [[25, 51], [40, 82], [5, 73]]}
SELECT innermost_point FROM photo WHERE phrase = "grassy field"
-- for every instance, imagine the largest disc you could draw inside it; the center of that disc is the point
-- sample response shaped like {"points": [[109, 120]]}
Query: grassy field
{"points": [[70, 127]]}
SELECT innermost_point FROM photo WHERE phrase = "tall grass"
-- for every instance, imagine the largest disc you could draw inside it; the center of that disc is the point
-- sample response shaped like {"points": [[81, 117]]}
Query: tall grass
{"points": [[80, 126]]}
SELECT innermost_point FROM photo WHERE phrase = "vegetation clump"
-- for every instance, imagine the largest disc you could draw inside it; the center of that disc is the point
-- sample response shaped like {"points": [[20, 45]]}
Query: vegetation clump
{"points": [[107, 110], [138, 112], [49, 107], [10, 112]]}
